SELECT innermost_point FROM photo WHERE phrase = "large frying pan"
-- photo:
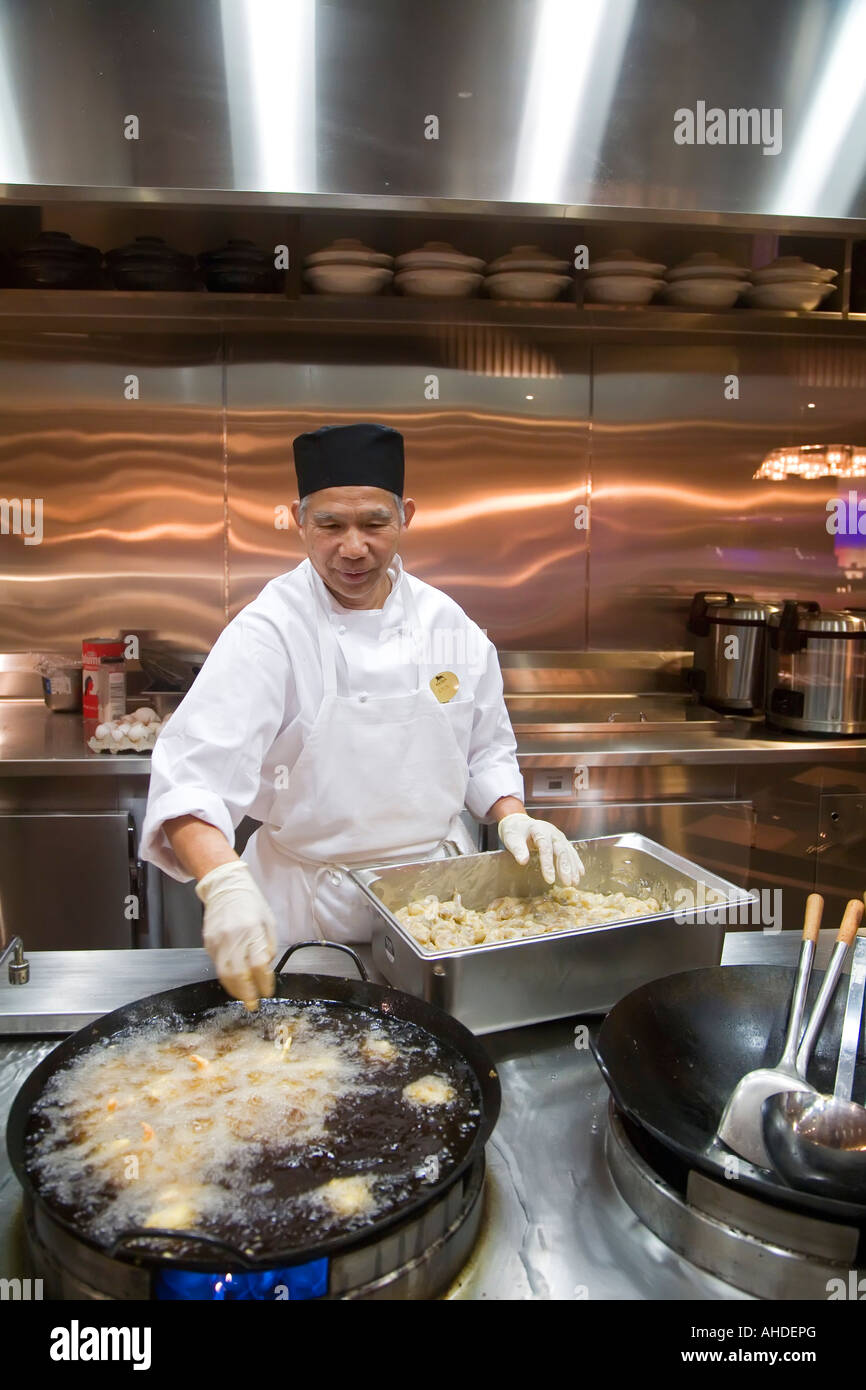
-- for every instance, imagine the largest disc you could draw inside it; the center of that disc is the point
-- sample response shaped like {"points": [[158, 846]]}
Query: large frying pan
{"points": [[189, 1003], [673, 1050]]}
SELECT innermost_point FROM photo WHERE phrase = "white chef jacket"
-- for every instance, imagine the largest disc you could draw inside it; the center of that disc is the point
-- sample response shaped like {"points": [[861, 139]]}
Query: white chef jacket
{"points": [[243, 723]]}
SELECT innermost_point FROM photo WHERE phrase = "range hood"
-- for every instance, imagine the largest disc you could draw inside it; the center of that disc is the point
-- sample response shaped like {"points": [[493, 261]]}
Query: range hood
{"points": [[578, 108]]}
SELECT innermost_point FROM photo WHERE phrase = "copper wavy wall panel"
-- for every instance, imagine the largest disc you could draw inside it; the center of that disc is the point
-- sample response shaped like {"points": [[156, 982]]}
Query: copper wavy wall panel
{"points": [[158, 514], [496, 476], [132, 490], [675, 507]]}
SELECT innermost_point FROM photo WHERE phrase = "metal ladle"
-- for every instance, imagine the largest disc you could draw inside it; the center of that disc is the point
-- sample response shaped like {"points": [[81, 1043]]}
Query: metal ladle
{"points": [[818, 1142]]}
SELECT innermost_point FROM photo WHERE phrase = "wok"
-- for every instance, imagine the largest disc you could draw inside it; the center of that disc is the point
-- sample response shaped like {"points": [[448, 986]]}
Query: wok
{"points": [[188, 1004], [673, 1050]]}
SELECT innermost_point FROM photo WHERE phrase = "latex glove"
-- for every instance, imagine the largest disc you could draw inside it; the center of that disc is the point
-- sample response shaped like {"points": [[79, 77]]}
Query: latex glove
{"points": [[239, 931], [559, 859]]}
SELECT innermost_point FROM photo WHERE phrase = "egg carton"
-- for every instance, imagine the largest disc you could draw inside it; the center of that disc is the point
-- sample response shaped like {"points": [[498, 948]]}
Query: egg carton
{"points": [[134, 733]]}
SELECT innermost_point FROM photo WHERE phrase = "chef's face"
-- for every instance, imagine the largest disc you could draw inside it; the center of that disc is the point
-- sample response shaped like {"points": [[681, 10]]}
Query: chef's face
{"points": [[351, 535]]}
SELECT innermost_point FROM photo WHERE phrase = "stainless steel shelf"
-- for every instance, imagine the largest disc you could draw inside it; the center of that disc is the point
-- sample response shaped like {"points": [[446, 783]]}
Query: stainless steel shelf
{"points": [[154, 311], [122, 195]]}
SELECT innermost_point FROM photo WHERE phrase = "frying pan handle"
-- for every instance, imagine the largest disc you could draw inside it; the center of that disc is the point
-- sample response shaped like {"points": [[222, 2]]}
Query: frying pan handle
{"points": [[332, 945], [134, 1233]]}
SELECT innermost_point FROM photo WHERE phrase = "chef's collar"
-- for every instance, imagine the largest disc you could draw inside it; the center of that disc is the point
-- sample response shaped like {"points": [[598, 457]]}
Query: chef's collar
{"points": [[395, 571]]}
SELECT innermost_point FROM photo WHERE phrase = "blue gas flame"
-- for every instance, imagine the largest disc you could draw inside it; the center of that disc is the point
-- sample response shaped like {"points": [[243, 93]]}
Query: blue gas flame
{"points": [[296, 1282]]}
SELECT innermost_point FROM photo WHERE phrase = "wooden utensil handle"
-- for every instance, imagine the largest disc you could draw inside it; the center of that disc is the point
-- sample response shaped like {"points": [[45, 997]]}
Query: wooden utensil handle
{"points": [[851, 921], [812, 919]]}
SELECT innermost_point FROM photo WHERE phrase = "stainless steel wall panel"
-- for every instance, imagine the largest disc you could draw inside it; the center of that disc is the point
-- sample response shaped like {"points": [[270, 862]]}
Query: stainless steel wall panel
{"points": [[497, 464], [540, 103], [675, 507], [840, 872], [132, 533], [715, 834], [786, 845]]}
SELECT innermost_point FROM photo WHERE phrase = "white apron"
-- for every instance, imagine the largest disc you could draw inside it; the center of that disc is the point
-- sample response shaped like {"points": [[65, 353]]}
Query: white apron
{"points": [[379, 779]]}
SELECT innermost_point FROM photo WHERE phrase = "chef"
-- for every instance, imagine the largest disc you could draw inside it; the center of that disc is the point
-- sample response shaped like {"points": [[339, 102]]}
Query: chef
{"points": [[353, 710]]}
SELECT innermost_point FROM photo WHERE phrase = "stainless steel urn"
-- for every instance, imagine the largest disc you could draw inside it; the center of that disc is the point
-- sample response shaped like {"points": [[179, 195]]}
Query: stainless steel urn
{"points": [[729, 640], [816, 670]]}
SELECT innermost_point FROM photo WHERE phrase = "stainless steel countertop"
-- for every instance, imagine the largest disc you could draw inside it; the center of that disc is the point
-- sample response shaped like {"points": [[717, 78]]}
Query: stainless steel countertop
{"points": [[69, 989], [735, 740], [555, 1226], [36, 741]]}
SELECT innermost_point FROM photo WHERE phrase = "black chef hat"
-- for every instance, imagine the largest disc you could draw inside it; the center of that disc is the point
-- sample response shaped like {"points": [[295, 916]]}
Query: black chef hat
{"points": [[349, 456]]}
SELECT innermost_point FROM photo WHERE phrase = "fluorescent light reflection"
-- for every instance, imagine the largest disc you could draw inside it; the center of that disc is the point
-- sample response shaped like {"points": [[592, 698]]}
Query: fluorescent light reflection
{"points": [[14, 165], [576, 57], [826, 167], [270, 60]]}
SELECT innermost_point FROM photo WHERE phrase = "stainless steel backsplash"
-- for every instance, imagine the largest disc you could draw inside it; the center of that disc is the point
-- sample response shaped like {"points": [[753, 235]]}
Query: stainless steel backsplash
{"points": [[161, 512]]}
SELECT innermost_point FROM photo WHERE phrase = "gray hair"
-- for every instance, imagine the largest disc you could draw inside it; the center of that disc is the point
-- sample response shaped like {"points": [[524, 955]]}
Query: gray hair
{"points": [[398, 502]]}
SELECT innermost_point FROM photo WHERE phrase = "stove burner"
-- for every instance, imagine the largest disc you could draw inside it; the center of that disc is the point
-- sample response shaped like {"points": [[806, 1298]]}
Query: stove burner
{"points": [[418, 1258], [295, 1283], [760, 1248]]}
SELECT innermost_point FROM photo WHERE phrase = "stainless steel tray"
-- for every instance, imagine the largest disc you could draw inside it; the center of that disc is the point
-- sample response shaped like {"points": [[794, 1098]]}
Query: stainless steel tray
{"points": [[587, 970]]}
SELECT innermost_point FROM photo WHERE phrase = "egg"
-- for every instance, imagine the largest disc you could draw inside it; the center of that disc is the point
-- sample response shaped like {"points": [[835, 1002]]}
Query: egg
{"points": [[102, 731], [146, 715]]}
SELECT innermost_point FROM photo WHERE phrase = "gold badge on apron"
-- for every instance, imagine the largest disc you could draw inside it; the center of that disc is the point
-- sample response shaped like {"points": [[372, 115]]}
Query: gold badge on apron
{"points": [[445, 686]]}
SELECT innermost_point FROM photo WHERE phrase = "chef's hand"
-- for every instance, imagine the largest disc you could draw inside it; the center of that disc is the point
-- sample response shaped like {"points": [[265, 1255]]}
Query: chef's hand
{"points": [[239, 931], [559, 859]]}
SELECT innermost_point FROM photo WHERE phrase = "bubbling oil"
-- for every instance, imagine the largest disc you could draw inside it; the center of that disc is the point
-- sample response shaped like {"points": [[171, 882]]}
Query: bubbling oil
{"points": [[269, 1131]]}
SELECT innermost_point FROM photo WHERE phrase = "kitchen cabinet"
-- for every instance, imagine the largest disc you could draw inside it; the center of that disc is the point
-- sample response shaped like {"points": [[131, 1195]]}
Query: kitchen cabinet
{"points": [[70, 880]]}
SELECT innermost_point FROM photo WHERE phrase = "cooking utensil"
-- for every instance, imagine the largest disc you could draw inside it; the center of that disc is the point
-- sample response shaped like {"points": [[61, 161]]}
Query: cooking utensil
{"points": [[851, 920], [725, 684], [437, 282], [149, 263], [673, 1050], [525, 284], [349, 251], [584, 970], [347, 279], [788, 294], [704, 292], [620, 289], [815, 669], [708, 265], [54, 261], [817, 1141], [239, 267], [521, 258], [740, 1125], [787, 268], [438, 255], [624, 262], [187, 1005]]}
